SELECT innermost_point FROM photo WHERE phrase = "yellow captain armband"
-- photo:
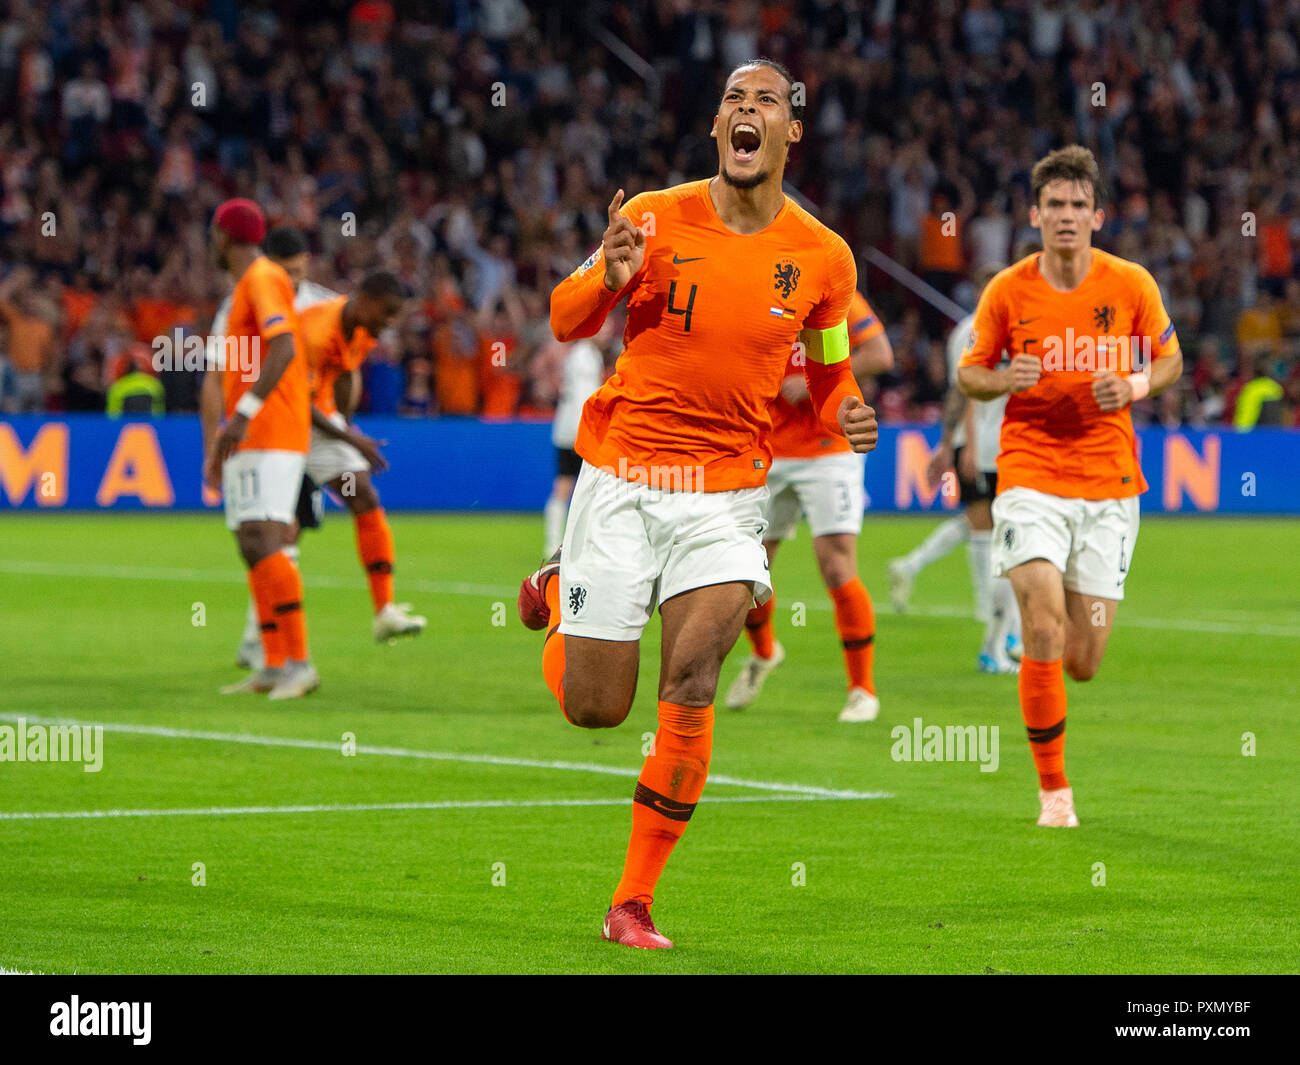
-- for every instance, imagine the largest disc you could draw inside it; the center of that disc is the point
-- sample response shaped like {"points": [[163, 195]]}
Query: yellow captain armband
{"points": [[835, 343]]}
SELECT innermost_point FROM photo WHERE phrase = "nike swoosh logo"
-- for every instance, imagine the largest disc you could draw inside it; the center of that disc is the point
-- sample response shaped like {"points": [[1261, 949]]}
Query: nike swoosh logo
{"points": [[678, 262], [1026, 321]]}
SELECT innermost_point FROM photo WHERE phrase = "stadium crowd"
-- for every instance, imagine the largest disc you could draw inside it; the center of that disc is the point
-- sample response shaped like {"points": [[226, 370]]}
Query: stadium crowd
{"points": [[472, 146]]}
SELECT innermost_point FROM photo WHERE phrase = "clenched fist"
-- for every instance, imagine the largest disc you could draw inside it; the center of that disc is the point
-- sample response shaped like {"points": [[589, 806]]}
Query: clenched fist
{"points": [[1110, 390], [1025, 372], [858, 421]]}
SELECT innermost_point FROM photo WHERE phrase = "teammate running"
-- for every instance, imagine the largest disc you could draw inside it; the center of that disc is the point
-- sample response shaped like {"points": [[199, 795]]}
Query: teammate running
{"points": [[337, 335], [817, 473], [721, 276], [259, 454], [1066, 514]]}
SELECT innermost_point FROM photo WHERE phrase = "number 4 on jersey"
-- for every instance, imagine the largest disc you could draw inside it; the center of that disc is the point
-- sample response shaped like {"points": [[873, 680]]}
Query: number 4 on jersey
{"points": [[690, 304]]}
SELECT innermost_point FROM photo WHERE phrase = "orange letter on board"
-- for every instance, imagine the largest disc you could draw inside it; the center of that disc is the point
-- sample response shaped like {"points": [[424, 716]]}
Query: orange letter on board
{"points": [[136, 469], [45, 463], [1186, 471]]}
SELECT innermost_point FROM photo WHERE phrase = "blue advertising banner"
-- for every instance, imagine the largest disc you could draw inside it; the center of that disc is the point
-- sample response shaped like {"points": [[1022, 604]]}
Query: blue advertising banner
{"points": [[87, 462]]}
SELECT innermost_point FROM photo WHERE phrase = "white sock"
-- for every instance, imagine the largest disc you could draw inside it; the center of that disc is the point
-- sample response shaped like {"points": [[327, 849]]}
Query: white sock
{"points": [[939, 543], [979, 554], [252, 627], [553, 518], [291, 552], [1004, 616]]}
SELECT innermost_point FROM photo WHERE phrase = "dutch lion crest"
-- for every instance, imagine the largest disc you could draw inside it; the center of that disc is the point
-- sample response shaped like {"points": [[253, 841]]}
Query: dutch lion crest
{"points": [[786, 278]]}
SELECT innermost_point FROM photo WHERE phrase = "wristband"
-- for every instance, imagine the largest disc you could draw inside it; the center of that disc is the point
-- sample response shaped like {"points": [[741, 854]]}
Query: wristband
{"points": [[1141, 385], [248, 405]]}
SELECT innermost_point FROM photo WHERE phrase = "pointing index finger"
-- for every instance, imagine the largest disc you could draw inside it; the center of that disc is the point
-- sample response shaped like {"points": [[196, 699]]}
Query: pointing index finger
{"points": [[614, 205]]}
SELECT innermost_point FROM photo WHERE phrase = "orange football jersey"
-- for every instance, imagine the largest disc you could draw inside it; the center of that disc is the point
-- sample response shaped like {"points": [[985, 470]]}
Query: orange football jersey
{"points": [[261, 309], [1054, 436], [330, 353], [712, 316], [797, 432]]}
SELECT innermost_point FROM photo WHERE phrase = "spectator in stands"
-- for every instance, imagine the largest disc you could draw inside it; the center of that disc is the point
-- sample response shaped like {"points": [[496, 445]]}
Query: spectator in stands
{"points": [[1259, 328], [371, 127], [1260, 397], [30, 354], [137, 391]]}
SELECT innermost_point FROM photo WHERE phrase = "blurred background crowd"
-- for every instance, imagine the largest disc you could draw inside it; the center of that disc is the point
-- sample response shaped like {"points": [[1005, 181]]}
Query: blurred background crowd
{"points": [[472, 147]]}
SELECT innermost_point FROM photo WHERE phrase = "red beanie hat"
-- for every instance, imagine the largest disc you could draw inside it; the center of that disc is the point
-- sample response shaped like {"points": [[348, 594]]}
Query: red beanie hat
{"points": [[242, 220]]}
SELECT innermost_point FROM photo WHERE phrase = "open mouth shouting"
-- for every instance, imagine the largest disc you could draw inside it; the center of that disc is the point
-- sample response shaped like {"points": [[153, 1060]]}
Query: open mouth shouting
{"points": [[745, 142]]}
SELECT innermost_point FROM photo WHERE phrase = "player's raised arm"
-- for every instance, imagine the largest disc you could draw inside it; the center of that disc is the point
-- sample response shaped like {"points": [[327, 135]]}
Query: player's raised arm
{"points": [[582, 300]]}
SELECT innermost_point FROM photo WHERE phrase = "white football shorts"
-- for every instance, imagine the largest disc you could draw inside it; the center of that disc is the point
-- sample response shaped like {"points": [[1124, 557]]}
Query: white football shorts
{"points": [[261, 486], [828, 489], [628, 547], [1090, 541], [330, 458]]}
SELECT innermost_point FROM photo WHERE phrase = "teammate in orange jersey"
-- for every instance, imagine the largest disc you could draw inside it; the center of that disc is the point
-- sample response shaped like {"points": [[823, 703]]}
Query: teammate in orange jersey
{"points": [[722, 277], [337, 335], [259, 454], [1088, 335], [817, 474]]}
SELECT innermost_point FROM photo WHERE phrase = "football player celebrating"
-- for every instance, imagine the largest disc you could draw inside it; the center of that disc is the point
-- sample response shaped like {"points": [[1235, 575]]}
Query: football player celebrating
{"points": [[1065, 519], [722, 277], [816, 473]]}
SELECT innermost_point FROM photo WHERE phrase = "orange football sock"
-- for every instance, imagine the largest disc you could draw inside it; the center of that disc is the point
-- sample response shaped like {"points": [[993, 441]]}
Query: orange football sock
{"points": [[375, 546], [855, 618], [272, 637], [759, 629], [282, 585], [667, 791], [1042, 703], [553, 649]]}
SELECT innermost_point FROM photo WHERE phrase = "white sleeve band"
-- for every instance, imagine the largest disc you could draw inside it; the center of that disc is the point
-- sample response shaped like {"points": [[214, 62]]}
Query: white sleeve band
{"points": [[1141, 385], [248, 405]]}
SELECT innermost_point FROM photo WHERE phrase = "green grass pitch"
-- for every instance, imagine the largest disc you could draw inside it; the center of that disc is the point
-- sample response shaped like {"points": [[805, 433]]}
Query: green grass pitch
{"points": [[1194, 839]]}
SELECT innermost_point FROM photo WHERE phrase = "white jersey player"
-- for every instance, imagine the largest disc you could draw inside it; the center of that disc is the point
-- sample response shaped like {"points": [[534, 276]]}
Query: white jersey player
{"points": [[583, 374]]}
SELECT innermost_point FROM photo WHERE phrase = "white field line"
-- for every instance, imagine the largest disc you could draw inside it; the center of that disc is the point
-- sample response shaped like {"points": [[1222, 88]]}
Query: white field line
{"points": [[367, 807], [24, 568], [20, 567], [717, 779]]}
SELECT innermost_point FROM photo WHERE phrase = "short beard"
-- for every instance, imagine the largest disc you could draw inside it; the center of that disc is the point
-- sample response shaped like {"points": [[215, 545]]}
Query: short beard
{"points": [[751, 182]]}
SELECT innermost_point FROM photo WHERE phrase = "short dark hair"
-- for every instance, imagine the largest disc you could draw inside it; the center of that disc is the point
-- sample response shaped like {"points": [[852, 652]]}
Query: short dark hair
{"points": [[381, 284], [284, 242], [796, 110], [1074, 162]]}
